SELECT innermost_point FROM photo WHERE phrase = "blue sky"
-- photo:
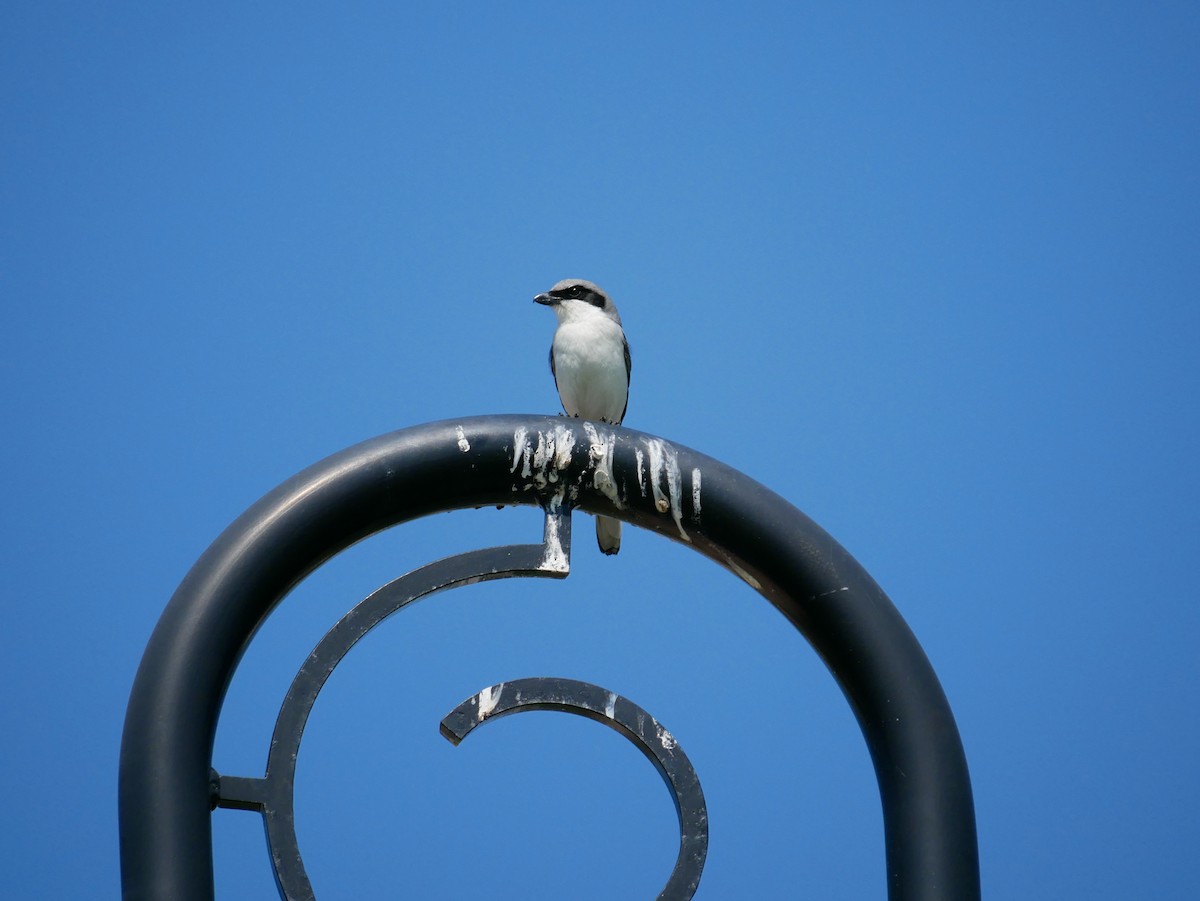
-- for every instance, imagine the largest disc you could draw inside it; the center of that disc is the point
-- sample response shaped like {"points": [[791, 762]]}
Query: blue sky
{"points": [[929, 273]]}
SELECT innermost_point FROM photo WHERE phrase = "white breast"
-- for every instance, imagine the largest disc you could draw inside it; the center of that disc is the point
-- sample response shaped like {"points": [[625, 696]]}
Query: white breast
{"points": [[589, 366]]}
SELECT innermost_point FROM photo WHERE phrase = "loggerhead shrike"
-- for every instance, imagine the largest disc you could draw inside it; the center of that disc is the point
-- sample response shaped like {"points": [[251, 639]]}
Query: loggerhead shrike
{"points": [[589, 358]]}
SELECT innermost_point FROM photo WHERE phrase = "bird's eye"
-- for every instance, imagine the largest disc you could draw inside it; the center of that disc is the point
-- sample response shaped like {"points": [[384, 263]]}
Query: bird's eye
{"points": [[575, 291]]}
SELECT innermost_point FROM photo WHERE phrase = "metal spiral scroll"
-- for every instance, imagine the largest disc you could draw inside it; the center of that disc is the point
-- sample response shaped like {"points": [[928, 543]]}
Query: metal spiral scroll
{"points": [[273, 794]]}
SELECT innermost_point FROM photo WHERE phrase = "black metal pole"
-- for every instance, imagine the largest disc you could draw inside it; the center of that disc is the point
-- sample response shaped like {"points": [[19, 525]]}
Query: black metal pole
{"points": [[165, 796]]}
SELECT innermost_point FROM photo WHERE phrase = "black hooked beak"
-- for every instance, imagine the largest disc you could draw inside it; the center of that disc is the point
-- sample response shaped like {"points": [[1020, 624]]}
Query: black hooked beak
{"points": [[547, 299]]}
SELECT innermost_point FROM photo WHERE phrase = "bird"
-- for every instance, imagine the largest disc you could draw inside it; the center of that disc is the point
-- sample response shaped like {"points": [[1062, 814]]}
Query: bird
{"points": [[589, 359]]}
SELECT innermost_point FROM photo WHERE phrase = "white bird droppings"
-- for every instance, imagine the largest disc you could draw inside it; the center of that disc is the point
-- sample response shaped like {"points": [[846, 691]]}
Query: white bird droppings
{"points": [[564, 444], [601, 449], [488, 699], [521, 451], [545, 459], [555, 559], [540, 463], [664, 460], [665, 738], [463, 444]]}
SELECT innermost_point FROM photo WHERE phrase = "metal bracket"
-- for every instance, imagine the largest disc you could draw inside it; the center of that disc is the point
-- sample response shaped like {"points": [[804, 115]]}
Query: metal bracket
{"points": [[626, 717], [273, 794]]}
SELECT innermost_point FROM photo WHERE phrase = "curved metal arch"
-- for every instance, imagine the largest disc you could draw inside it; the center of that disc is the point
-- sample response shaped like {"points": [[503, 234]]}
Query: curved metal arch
{"points": [[165, 792]]}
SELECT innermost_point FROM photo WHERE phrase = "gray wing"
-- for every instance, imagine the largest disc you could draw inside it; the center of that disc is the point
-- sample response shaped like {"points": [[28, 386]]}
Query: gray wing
{"points": [[555, 374]]}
